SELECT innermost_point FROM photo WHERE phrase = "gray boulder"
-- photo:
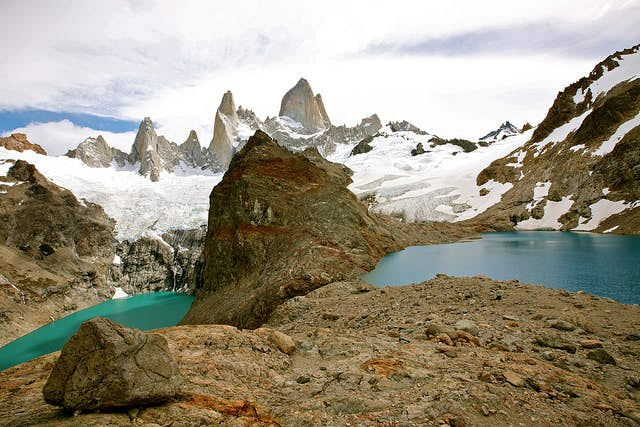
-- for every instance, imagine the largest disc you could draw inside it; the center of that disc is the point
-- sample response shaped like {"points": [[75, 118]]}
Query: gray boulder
{"points": [[106, 365]]}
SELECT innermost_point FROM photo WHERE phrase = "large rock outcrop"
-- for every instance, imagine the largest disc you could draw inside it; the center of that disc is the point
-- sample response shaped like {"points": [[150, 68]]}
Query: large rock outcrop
{"points": [[191, 151], [106, 365], [301, 105], [19, 142], [95, 152], [225, 128], [282, 224]]}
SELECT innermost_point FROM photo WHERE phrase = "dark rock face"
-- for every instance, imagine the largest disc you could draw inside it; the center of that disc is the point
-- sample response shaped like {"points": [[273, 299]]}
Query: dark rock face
{"points": [[405, 126], [170, 264], [418, 150], [280, 224], [363, 146], [106, 365]]}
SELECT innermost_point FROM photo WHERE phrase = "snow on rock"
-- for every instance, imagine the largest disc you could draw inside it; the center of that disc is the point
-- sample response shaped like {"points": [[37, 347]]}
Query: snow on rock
{"points": [[138, 205], [600, 210], [552, 212], [119, 293], [561, 133], [4, 167], [609, 230], [116, 260], [439, 185], [608, 146], [627, 70]]}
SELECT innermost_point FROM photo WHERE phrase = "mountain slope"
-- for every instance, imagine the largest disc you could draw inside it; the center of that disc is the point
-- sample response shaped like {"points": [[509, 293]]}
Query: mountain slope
{"points": [[581, 168]]}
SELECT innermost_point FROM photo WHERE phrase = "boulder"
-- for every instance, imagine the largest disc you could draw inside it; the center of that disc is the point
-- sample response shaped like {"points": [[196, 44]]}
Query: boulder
{"points": [[106, 365]]}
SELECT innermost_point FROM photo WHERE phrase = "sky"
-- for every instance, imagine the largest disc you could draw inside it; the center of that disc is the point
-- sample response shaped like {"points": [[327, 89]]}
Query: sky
{"points": [[73, 69]]}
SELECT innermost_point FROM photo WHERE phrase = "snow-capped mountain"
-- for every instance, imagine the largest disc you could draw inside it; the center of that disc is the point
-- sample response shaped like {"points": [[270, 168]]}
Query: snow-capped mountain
{"points": [[580, 169], [504, 131]]}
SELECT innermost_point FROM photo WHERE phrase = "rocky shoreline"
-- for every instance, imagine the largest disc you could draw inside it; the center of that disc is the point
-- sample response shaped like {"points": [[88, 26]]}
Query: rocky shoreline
{"points": [[449, 351]]}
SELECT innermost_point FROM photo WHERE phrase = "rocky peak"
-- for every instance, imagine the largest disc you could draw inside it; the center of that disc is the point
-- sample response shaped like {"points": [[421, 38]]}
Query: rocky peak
{"points": [[505, 130], [97, 153], [323, 111], [228, 108], [300, 104], [145, 150], [405, 126], [225, 129], [19, 142]]}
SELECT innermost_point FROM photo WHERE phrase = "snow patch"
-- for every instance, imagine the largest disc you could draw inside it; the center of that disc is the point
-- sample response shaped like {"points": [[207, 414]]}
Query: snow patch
{"points": [[119, 293], [116, 260], [540, 191], [609, 230], [552, 212], [600, 210], [627, 70], [577, 147]]}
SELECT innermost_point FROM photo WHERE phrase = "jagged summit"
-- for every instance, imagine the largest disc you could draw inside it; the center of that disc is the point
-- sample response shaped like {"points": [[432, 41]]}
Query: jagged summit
{"points": [[19, 142], [225, 129], [505, 130], [301, 105]]}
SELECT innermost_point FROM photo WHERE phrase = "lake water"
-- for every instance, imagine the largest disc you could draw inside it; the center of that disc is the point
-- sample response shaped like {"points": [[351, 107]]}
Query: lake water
{"points": [[147, 311], [605, 265]]}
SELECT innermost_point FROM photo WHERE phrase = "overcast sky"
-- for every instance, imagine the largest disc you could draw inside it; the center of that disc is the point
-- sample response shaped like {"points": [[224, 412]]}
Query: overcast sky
{"points": [[454, 68]]}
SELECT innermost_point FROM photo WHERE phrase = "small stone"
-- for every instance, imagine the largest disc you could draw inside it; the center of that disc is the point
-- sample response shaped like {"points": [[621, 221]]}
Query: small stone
{"points": [[465, 336], [133, 413], [511, 318], [549, 355], [513, 379], [561, 325], [303, 379], [283, 342], [556, 342], [447, 350], [590, 344], [601, 356], [485, 410], [467, 326], [330, 316], [444, 338]]}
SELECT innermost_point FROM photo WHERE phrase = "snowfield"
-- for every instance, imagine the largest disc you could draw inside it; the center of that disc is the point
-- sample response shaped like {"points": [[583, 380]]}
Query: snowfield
{"points": [[139, 206], [439, 185]]}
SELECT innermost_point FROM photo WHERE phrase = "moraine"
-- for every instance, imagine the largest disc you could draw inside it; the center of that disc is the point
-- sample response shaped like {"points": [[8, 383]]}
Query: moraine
{"points": [[604, 265]]}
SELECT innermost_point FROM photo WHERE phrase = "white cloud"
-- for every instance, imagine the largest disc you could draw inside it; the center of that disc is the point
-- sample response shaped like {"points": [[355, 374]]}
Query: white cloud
{"points": [[58, 137], [172, 61]]}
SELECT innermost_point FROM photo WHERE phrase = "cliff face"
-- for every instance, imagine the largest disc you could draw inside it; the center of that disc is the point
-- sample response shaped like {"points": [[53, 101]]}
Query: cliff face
{"points": [[580, 169], [282, 224]]}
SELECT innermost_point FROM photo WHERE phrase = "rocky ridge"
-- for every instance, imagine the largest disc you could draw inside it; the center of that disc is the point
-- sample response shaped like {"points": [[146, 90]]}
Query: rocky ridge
{"points": [[591, 130]]}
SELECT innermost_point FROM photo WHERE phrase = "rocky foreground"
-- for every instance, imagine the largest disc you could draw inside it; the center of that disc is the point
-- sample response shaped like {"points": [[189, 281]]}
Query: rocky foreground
{"points": [[450, 351]]}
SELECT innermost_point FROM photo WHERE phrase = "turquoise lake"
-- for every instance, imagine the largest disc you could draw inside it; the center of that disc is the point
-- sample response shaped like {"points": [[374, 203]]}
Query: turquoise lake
{"points": [[146, 311], [605, 265]]}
